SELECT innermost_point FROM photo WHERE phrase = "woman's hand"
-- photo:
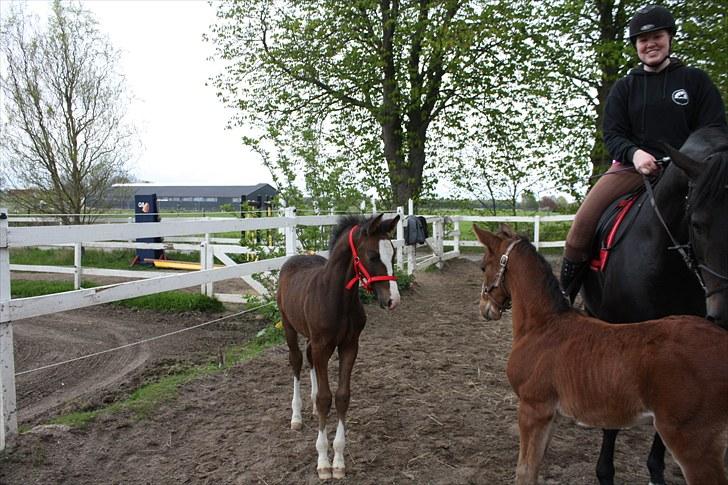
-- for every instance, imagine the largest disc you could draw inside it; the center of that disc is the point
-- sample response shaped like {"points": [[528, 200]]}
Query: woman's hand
{"points": [[644, 163]]}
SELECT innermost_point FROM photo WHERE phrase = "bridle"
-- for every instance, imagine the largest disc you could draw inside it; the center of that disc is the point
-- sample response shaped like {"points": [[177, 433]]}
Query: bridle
{"points": [[360, 272], [685, 250], [485, 290]]}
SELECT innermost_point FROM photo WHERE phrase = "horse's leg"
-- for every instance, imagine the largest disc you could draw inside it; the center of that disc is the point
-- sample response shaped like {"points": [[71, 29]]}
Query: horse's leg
{"points": [[347, 356], [296, 359], [314, 383], [656, 461], [605, 464], [535, 425], [699, 450], [320, 356]]}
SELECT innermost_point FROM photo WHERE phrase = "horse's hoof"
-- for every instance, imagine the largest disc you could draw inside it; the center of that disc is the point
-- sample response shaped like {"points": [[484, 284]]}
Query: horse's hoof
{"points": [[296, 425], [324, 473], [339, 473]]}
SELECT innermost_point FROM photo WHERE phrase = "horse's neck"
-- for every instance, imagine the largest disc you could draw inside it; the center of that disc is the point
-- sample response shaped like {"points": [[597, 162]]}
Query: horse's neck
{"points": [[339, 269], [670, 194], [533, 303]]}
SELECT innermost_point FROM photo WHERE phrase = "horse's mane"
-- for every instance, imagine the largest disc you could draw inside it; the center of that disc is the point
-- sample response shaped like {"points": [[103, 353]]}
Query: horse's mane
{"points": [[345, 223], [549, 283], [712, 185]]}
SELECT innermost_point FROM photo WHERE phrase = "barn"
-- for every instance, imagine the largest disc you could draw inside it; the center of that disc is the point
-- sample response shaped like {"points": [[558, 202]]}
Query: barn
{"points": [[193, 197]]}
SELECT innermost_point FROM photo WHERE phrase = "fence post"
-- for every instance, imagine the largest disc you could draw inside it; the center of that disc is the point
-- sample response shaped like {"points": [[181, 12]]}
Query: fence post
{"points": [[456, 236], [77, 254], [438, 230], [411, 250], [206, 258], [536, 231], [400, 238], [8, 411], [291, 231]]}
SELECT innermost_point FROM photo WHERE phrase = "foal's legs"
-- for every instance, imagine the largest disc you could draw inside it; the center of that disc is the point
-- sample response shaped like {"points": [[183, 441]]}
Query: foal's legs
{"points": [[699, 450], [535, 425], [314, 382], [347, 356], [296, 359], [320, 355]]}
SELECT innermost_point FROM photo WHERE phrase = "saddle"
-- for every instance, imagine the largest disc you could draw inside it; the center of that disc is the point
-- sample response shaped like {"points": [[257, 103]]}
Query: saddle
{"points": [[614, 223]]}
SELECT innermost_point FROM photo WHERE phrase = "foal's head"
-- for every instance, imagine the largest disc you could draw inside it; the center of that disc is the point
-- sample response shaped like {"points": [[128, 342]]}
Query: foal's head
{"points": [[372, 254], [500, 280], [707, 207], [494, 296]]}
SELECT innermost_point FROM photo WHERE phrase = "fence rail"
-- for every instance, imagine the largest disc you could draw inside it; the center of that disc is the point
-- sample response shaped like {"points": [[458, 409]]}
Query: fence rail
{"points": [[185, 235]]}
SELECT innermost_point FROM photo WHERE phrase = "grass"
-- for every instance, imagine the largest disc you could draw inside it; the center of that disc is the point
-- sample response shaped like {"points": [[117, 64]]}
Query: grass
{"points": [[169, 301], [92, 258], [145, 400]]}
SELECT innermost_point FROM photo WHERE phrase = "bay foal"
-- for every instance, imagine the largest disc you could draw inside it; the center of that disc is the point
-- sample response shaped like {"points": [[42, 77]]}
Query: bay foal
{"points": [[319, 299], [672, 371]]}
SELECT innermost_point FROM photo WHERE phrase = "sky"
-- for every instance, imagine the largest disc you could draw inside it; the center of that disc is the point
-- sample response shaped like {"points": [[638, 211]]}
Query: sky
{"points": [[179, 120]]}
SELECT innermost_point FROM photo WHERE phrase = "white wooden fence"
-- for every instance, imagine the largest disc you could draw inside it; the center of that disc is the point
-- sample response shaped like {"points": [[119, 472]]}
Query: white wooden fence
{"points": [[122, 235]]}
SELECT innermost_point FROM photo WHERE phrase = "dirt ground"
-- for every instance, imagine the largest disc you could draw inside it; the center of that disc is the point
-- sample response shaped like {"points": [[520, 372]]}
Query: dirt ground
{"points": [[430, 403]]}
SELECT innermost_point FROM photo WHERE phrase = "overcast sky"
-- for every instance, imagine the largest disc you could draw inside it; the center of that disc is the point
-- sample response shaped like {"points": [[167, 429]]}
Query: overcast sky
{"points": [[181, 124]]}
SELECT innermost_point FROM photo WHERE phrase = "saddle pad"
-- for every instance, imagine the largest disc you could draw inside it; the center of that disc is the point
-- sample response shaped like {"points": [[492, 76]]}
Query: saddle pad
{"points": [[613, 225]]}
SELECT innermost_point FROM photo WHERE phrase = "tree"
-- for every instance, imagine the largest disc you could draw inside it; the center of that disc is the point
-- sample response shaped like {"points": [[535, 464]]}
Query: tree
{"points": [[65, 141], [586, 42], [385, 86]]}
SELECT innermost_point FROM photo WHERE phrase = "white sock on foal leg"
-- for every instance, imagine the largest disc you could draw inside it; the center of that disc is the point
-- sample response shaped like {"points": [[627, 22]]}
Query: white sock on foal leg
{"points": [[339, 443], [322, 446], [296, 419], [314, 391]]}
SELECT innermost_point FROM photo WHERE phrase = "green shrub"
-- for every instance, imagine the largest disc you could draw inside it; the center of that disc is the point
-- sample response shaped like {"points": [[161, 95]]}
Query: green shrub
{"points": [[174, 301]]}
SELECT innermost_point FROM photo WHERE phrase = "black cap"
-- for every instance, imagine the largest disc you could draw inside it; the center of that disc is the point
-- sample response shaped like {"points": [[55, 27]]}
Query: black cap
{"points": [[649, 19]]}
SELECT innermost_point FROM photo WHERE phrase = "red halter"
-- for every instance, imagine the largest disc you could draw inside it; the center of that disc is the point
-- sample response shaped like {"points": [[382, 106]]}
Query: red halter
{"points": [[360, 272]]}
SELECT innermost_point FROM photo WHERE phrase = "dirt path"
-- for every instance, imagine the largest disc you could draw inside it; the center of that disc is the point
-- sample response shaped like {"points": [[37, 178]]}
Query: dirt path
{"points": [[430, 405]]}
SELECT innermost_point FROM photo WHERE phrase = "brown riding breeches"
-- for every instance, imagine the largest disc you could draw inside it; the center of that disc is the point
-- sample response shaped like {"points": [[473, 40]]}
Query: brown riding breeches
{"points": [[615, 182]]}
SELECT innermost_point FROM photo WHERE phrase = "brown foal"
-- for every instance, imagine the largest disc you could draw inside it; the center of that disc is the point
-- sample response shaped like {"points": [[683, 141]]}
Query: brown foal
{"points": [[319, 299], [672, 371]]}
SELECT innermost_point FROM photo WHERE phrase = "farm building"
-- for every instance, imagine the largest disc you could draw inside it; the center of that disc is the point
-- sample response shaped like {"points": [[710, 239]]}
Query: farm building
{"points": [[193, 197]]}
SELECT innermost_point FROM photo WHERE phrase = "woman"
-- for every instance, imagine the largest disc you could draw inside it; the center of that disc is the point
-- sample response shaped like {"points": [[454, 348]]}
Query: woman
{"points": [[661, 100]]}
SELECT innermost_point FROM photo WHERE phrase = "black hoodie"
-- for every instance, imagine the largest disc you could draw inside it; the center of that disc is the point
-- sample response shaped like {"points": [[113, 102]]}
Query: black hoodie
{"points": [[644, 108]]}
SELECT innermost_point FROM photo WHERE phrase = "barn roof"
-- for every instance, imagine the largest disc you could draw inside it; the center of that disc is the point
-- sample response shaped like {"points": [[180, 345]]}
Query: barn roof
{"points": [[198, 190]]}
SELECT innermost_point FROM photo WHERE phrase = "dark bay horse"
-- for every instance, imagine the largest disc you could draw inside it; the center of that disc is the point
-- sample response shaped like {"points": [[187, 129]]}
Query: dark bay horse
{"points": [[672, 371], [647, 278], [319, 299]]}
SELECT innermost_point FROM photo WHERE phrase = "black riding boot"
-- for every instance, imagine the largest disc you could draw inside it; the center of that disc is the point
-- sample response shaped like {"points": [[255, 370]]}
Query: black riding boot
{"points": [[572, 275]]}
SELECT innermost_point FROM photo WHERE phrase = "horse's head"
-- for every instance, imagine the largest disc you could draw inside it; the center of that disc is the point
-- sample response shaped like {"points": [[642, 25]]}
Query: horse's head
{"points": [[707, 206], [375, 253], [494, 296]]}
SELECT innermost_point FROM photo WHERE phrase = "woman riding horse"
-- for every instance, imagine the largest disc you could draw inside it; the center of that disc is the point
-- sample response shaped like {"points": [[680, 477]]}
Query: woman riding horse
{"points": [[661, 100]]}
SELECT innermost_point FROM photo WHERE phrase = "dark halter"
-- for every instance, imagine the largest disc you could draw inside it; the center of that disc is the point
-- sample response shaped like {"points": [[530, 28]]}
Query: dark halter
{"points": [[360, 272], [485, 291]]}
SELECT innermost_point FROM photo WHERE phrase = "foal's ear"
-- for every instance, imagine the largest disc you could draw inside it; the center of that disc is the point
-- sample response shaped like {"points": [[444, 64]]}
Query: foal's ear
{"points": [[373, 225], [507, 231], [486, 238], [390, 224], [692, 168]]}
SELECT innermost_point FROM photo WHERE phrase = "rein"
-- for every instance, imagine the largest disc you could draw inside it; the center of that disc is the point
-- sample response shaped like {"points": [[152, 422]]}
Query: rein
{"points": [[685, 250], [485, 291], [360, 272]]}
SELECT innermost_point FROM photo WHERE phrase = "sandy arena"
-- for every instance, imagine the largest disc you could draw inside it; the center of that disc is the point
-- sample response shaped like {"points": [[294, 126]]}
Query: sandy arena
{"points": [[430, 402]]}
